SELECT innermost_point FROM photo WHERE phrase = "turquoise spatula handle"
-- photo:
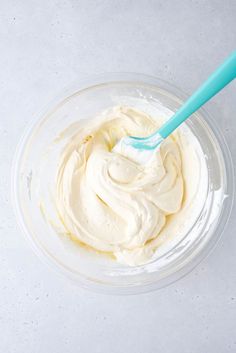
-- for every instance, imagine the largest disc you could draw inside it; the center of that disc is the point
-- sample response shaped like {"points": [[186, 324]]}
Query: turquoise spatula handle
{"points": [[218, 80]]}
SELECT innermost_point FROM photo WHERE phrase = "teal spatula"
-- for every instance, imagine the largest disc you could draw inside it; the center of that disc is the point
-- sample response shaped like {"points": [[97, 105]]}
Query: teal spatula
{"points": [[225, 73]]}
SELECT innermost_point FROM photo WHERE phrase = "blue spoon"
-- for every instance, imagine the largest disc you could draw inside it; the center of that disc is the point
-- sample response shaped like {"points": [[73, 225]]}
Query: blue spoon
{"points": [[225, 73]]}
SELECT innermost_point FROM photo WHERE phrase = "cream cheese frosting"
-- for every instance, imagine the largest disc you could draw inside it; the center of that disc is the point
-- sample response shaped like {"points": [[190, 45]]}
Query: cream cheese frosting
{"points": [[113, 204]]}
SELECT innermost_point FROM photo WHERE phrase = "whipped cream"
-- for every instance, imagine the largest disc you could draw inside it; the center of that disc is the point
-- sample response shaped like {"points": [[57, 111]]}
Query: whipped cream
{"points": [[115, 205]]}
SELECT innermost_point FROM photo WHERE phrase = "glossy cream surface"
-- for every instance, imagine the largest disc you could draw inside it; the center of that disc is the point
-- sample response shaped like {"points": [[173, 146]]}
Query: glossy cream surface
{"points": [[116, 205]]}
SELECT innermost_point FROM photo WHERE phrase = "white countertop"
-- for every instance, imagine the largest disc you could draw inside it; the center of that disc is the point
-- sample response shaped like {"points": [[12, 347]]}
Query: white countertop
{"points": [[44, 46]]}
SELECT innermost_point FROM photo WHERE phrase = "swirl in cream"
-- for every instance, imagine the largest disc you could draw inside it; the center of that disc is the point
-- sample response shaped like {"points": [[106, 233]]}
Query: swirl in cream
{"points": [[108, 201]]}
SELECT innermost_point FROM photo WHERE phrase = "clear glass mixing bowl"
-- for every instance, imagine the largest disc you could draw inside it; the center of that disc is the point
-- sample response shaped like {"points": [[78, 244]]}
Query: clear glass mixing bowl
{"points": [[34, 176]]}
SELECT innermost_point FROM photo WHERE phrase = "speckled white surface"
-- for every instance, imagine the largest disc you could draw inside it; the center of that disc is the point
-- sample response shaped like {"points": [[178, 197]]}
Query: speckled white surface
{"points": [[44, 46]]}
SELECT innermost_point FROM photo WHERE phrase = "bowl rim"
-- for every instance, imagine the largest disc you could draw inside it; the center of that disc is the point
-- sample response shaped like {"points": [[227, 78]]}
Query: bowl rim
{"points": [[117, 77]]}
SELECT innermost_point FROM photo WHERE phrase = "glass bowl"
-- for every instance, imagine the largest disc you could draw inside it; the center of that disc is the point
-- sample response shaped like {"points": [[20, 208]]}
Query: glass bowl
{"points": [[33, 178]]}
